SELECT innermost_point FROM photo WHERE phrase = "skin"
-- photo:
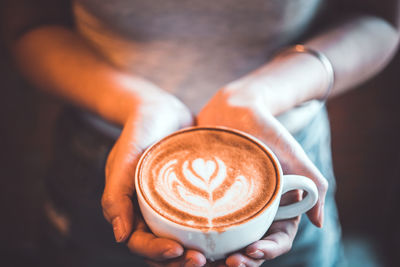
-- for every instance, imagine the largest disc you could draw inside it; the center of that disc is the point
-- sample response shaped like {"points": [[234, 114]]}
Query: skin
{"points": [[250, 103]]}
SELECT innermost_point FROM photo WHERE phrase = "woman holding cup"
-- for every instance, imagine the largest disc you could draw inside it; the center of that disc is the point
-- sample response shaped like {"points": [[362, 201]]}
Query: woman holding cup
{"points": [[154, 68]]}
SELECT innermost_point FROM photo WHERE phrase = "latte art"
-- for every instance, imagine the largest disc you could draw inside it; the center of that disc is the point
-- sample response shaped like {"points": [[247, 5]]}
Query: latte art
{"points": [[204, 190], [207, 179]]}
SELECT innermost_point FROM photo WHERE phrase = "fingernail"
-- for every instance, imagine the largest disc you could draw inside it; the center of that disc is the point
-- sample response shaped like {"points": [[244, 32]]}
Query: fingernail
{"points": [[321, 216], [172, 253], [257, 254], [119, 229]]}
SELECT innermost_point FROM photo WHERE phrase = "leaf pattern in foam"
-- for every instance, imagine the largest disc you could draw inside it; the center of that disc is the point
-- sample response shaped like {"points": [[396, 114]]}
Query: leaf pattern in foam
{"points": [[206, 176]]}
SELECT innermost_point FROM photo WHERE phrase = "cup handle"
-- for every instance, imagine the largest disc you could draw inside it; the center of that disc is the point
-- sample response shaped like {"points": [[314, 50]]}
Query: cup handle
{"points": [[292, 182]]}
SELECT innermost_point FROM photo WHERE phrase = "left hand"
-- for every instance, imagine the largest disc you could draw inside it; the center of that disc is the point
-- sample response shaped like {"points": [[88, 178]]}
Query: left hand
{"points": [[245, 108], [155, 115], [277, 241]]}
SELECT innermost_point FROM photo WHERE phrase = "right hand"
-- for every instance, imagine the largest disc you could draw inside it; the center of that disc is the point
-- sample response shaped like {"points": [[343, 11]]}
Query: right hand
{"points": [[242, 107], [152, 119]]}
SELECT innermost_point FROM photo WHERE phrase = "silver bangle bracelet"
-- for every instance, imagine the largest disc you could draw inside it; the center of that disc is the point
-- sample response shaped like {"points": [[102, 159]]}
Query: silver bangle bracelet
{"points": [[321, 57]]}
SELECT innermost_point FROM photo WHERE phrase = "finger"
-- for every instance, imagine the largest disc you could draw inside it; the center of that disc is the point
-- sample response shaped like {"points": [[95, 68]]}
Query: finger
{"points": [[149, 246], [280, 236], [146, 244], [291, 197], [194, 258], [119, 188], [240, 260], [278, 240], [299, 163]]}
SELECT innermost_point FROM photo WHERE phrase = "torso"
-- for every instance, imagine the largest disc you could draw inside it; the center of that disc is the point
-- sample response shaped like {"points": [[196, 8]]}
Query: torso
{"points": [[191, 48]]}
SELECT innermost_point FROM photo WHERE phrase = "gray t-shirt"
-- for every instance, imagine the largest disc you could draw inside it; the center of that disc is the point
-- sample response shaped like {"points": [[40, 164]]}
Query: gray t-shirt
{"points": [[192, 48]]}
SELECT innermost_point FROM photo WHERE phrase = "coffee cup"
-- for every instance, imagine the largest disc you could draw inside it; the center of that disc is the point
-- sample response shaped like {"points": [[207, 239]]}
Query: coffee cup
{"points": [[215, 190]]}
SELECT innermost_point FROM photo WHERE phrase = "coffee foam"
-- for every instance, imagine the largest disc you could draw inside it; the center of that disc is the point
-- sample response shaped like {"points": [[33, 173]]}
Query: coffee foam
{"points": [[207, 178]]}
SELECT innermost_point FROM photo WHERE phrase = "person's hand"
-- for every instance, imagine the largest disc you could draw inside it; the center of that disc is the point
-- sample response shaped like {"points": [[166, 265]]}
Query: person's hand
{"points": [[152, 118], [276, 241], [245, 108]]}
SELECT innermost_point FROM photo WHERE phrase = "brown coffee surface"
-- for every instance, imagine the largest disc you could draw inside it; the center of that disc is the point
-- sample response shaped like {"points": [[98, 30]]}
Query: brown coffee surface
{"points": [[208, 178]]}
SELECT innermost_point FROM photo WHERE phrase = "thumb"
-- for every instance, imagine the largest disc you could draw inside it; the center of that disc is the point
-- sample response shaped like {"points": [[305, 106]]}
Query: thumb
{"points": [[118, 208]]}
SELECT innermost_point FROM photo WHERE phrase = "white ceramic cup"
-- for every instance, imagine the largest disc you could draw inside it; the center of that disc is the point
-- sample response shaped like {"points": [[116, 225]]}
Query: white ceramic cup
{"points": [[216, 244]]}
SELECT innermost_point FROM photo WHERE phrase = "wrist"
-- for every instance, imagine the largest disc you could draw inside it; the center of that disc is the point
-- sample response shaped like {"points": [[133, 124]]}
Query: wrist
{"points": [[288, 80], [129, 96], [324, 62], [116, 105]]}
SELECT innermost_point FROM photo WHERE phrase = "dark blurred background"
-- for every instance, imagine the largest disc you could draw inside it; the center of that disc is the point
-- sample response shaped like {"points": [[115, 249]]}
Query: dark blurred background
{"points": [[365, 141]]}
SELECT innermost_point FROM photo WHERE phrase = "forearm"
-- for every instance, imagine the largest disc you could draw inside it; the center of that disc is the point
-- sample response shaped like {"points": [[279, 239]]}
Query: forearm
{"points": [[58, 61], [357, 50]]}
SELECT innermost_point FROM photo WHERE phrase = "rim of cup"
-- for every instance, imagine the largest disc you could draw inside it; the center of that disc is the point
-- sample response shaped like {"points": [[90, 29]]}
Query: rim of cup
{"points": [[254, 140]]}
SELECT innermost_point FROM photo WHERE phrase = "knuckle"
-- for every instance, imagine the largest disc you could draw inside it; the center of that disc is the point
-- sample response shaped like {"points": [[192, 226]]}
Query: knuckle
{"points": [[238, 97], [133, 244], [283, 246], [107, 201], [110, 160], [288, 247], [269, 256], [140, 244], [324, 185]]}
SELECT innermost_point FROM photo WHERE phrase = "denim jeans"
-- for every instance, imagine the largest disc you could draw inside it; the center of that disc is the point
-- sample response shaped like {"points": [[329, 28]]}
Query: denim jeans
{"points": [[76, 180]]}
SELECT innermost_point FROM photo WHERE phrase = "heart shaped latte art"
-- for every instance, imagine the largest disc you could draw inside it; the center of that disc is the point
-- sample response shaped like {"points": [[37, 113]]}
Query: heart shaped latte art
{"points": [[207, 178], [202, 188], [203, 168]]}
